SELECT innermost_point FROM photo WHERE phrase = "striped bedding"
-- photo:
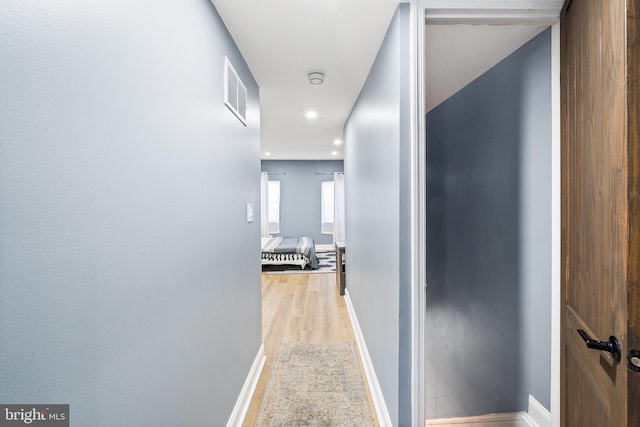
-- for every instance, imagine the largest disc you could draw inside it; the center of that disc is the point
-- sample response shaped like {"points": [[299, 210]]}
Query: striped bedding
{"points": [[290, 250]]}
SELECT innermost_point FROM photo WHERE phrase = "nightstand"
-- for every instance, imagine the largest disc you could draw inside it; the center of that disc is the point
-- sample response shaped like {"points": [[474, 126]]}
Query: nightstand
{"points": [[340, 261]]}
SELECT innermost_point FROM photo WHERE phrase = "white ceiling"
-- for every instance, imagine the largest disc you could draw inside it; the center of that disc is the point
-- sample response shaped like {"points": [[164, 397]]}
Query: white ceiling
{"points": [[457, 54], [283, 40]]}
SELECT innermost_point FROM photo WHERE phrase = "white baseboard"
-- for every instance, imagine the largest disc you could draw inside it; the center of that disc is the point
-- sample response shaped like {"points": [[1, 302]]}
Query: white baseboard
{"points": [[244, 400], [538, 415], [382, 413], [512, 419], [325, 248]]}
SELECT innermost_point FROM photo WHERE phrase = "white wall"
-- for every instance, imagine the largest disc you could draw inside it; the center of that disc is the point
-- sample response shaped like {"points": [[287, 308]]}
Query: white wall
{"points": [[125, 285], [377, 141]]}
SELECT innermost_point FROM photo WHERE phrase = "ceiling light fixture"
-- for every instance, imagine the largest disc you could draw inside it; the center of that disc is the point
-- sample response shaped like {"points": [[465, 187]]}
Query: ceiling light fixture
{"points": [[337, 142], [311, 114], [334, 153], [316, 77], [267, 154]]}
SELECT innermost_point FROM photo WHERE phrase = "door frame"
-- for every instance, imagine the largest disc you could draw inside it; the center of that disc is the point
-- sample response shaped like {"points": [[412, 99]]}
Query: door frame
{"points": [[418, 211], [447, 11], [556, 220]]}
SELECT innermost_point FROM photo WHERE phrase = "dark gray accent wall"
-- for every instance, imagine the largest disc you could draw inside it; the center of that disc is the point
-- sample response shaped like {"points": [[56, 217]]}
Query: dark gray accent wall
{"points": [[127, 286], [377, 165], [300, 194], [488, 240]]}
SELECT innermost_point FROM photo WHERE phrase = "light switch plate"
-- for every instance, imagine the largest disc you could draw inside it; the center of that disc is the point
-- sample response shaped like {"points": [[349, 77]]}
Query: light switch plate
{"points": [[249, 212]]}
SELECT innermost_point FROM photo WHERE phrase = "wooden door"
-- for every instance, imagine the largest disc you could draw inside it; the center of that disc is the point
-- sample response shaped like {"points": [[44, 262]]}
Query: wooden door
{"points": [[600, 210]]}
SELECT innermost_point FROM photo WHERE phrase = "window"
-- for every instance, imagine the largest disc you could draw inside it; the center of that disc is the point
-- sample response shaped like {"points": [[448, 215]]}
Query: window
{"points": [[274, 207], [326, 202]]}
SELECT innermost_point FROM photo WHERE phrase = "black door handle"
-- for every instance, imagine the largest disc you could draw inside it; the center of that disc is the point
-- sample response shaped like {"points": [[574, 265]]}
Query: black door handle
{"points": [[612, 346]]}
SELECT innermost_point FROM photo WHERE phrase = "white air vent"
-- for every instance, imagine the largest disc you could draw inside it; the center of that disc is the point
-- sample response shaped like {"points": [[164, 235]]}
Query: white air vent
{"points": [[235, 93]]}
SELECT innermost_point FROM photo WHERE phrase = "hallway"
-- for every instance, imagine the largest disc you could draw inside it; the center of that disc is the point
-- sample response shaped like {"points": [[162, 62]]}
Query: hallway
{"points": [[299, 308]]}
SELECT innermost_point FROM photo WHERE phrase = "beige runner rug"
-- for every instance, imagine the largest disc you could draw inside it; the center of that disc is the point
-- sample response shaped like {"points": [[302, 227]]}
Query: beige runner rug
{"points": [[315, 384]]}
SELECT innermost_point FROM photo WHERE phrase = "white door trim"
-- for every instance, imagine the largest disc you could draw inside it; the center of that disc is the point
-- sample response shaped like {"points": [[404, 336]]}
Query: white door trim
{"points": [[556, 238], [418, 212], [491, 17]]}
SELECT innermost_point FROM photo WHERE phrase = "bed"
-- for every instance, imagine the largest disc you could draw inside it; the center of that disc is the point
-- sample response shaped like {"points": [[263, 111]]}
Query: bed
{"points": [[289, 251]]}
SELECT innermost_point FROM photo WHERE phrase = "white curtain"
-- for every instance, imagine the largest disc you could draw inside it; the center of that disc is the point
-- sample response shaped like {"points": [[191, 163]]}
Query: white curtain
{"points": [[327, 210], [274, 207], [338, 205], [264, 204]]}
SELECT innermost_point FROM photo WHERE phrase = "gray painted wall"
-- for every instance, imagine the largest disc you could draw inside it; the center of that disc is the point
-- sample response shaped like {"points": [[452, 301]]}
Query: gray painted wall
{"points": [[300, 194], [124, 281], [488, 240], [377, 137]]}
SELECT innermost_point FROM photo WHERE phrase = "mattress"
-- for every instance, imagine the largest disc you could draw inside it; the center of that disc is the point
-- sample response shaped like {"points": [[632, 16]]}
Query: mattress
{"points": [[290, 251]]}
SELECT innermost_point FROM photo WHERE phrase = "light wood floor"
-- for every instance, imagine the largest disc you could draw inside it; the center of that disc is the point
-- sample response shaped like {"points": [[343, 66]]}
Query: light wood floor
{"points": [[299, 308]]}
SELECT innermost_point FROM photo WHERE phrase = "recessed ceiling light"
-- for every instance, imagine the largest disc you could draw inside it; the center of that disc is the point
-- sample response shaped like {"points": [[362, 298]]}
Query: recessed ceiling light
{"points": [[311, 114], [337, 141], [334, 153], [267, 154]]}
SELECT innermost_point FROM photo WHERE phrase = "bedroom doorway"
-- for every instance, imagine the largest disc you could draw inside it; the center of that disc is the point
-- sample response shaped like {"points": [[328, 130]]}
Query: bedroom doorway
{"points": [[302, 199]]}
